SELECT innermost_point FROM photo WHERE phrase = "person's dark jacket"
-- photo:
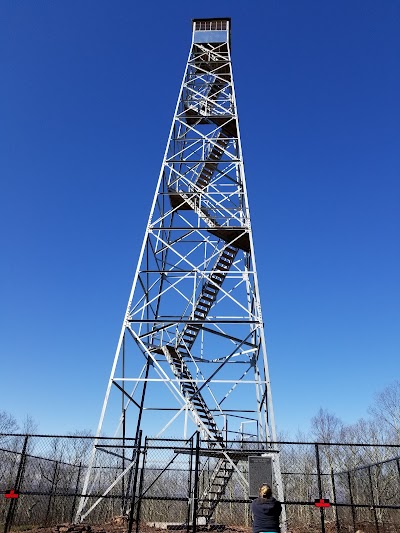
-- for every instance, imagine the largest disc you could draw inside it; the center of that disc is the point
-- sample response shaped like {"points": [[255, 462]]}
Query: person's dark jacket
{"points": [[266, 513]]}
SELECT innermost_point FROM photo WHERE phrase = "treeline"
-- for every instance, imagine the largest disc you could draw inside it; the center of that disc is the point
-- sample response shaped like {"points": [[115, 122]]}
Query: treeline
{"points": [[362, 476], [9, 424], [365, 475], [382, 426]]}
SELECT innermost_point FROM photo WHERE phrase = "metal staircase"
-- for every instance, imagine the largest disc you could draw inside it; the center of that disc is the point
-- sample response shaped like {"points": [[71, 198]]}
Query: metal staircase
{"points": [[209, 167], [216, 489], [197, 405], [207, 110], [207, 298], [213, 159], [179, 355], [176, 357]]}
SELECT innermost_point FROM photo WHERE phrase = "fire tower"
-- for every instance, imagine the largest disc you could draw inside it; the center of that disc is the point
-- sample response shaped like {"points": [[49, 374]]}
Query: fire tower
{"points": [[191, 354]]}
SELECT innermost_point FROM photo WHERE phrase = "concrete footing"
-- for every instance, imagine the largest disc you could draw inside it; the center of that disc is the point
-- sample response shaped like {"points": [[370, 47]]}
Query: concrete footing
{"points": [[174, 526]]}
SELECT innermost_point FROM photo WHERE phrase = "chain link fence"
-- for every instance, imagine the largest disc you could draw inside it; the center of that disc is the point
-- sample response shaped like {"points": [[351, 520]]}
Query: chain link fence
{"points": [[327, 487]]}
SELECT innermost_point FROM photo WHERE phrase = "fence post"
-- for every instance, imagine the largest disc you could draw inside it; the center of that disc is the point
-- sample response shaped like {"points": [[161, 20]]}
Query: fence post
{"points": [[123, 448], [398, 469], [334, 501], [76, 492], [139, 501], [138, 443], [320, 488], [189, 486], [128, 484], [353, 511], [17, 486], [196, 482]]}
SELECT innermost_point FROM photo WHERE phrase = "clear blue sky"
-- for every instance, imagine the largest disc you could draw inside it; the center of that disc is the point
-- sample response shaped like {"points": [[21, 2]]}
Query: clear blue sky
{"points": [[87, 94]]}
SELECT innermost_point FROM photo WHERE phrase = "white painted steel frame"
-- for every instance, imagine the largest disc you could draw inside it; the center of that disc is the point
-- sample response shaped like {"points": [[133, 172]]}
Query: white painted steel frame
{"points": [[198, 243]]}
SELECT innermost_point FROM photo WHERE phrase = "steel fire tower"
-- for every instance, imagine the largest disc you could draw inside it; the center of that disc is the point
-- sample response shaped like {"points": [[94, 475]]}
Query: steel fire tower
{"points": [[191, 353]]}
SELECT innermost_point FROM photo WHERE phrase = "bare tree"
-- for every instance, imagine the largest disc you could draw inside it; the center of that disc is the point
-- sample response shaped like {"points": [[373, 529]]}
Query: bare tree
{"points": [[326, 427], [29, 425], [8, 423], [386, 408]]}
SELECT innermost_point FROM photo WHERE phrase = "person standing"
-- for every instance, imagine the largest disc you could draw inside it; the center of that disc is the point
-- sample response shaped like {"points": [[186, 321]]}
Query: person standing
{"points": [[266, 511]]}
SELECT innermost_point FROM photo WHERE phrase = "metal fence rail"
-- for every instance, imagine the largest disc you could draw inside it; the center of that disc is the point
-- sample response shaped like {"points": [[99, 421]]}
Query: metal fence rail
{"points": [[42, 479]]}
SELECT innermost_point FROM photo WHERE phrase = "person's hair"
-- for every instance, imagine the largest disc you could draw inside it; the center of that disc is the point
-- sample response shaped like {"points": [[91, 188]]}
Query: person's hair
{"points": [[265, 491]]}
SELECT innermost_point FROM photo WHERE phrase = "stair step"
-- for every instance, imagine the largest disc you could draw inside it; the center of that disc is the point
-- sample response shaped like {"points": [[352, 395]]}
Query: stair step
{"points": [[204, 417], [189, 334], [208, 171], [211, 290], [207, 303], [204, 304]]}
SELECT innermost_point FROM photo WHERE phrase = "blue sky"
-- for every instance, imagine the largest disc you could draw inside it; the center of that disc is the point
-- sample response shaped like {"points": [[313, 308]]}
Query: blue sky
{"points": [[87, 95]]}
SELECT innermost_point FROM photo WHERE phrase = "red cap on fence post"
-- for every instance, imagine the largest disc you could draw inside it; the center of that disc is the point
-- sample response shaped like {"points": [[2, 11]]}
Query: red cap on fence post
{"points": [[11, 494], [322, 502]]}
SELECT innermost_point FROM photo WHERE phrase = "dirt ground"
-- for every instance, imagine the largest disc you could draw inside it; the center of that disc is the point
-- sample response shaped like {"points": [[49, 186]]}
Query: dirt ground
{"points": [[116, 526], [119, 525]]}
